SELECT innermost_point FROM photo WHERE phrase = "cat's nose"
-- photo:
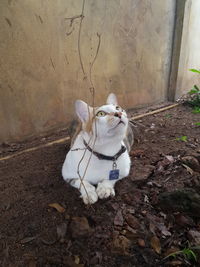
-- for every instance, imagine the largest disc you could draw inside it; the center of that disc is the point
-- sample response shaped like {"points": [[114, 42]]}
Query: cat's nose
{"points": [[118, 114]]}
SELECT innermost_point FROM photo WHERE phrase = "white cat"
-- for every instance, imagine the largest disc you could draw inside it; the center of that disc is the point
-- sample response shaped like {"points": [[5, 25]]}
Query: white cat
{"points": [[98, 155]]}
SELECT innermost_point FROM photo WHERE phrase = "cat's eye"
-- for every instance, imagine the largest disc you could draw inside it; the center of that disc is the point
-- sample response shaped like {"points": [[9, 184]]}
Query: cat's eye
{"points": [[101, 113]]}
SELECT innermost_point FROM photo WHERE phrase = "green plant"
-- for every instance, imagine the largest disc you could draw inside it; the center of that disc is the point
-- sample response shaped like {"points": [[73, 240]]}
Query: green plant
{"points": [[187, 253], [195, 70], [197, 123], [194, 93], [168, 116], [196, 110], [182, 138]]}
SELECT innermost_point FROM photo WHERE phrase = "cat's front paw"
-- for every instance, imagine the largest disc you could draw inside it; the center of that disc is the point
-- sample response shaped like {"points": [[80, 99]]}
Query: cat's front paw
{"points": [[90, 197], [105, 190]]}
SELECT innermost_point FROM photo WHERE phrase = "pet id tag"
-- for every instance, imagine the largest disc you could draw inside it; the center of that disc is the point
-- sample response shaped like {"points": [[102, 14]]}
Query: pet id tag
{"points": [[114, 174]]}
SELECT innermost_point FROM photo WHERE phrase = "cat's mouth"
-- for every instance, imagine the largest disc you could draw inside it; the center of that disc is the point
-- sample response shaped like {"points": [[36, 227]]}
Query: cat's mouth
{"points": [[120, 122]]}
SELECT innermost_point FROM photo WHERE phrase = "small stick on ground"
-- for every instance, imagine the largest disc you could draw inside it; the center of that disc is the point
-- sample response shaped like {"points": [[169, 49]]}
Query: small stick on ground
{"points": [[154, 112], [62, 140]]}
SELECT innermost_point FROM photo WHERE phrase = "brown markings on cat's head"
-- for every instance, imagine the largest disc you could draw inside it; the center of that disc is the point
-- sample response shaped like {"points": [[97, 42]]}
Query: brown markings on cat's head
{"points": [[89, 123], [84, 123]]}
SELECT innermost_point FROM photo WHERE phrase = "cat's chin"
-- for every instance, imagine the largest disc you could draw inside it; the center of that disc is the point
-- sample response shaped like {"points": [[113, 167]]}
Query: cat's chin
{"points": [[118, 129], [120, 124]]}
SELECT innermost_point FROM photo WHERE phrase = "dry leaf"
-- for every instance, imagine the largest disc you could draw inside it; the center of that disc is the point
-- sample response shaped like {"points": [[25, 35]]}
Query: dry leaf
{"points": [[155, 243], [119, 220], [170, 158], [192, 162], [76, 259], [69, 261], [171, 250], [184, 220], [132, 221], [163, 229], [141, 242], [152, 227], [194, 237], [188, 169], [137, 153], [58, 207], [157, 224], [121, 244], [79, 227]]}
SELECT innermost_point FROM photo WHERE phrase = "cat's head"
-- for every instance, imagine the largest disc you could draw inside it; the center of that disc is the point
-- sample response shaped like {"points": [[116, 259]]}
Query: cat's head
{"points": [[109, 120]]}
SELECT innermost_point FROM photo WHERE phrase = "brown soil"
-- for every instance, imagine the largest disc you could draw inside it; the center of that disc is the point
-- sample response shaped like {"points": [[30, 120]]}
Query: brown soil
{"points": [[129, 230]]}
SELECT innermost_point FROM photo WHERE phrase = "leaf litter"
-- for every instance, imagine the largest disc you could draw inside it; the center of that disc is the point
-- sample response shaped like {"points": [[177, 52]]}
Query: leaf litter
{"points": [[58, 207]]}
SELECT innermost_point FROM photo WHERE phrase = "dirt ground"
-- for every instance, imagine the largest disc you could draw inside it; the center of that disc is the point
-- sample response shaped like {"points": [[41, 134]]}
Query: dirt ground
{"points": [[140, 226]]}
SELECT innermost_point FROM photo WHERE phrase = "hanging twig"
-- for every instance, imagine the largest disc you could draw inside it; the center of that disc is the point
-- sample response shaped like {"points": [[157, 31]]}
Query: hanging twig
{"points": [[85, 77], [79, 39], [78, 170], [92, 89], [95, 57]]}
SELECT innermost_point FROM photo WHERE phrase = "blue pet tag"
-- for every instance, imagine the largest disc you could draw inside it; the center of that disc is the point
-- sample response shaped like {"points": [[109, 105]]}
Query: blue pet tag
{"points": [[114, 174]]}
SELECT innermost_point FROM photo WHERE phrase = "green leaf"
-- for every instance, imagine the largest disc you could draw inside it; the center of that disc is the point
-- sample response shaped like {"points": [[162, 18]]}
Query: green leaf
{"points": [[194, 70], [168, 116], [197, 123], [193, 255], [174, 254], [182, 138], [196, 110], [196, 87], [193, 91], [189, 254]]}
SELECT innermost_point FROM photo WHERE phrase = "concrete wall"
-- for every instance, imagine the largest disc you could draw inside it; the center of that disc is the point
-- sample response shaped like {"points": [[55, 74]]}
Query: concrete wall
{"points": [[190, 49], [41, 76]]}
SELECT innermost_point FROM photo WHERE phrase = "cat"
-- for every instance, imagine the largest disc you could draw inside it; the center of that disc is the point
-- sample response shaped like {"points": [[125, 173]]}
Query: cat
{"points": [[99, 152]]}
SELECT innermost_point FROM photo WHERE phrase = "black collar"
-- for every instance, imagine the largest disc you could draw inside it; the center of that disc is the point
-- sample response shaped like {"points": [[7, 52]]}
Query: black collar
{"points": [[101, 156]]}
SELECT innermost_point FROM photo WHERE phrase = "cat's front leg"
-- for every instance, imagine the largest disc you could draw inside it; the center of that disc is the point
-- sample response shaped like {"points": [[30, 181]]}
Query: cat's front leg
{"points": [[88, 192], [105, 189]]}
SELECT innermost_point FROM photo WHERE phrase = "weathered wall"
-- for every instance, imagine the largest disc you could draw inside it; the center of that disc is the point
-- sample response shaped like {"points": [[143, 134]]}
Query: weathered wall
{"points": [[190, 49], [40, 75]]}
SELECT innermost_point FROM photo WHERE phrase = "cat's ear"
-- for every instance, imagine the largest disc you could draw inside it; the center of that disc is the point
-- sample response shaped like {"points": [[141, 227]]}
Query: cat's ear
{"points": [[112, 99], [82, 110]]}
